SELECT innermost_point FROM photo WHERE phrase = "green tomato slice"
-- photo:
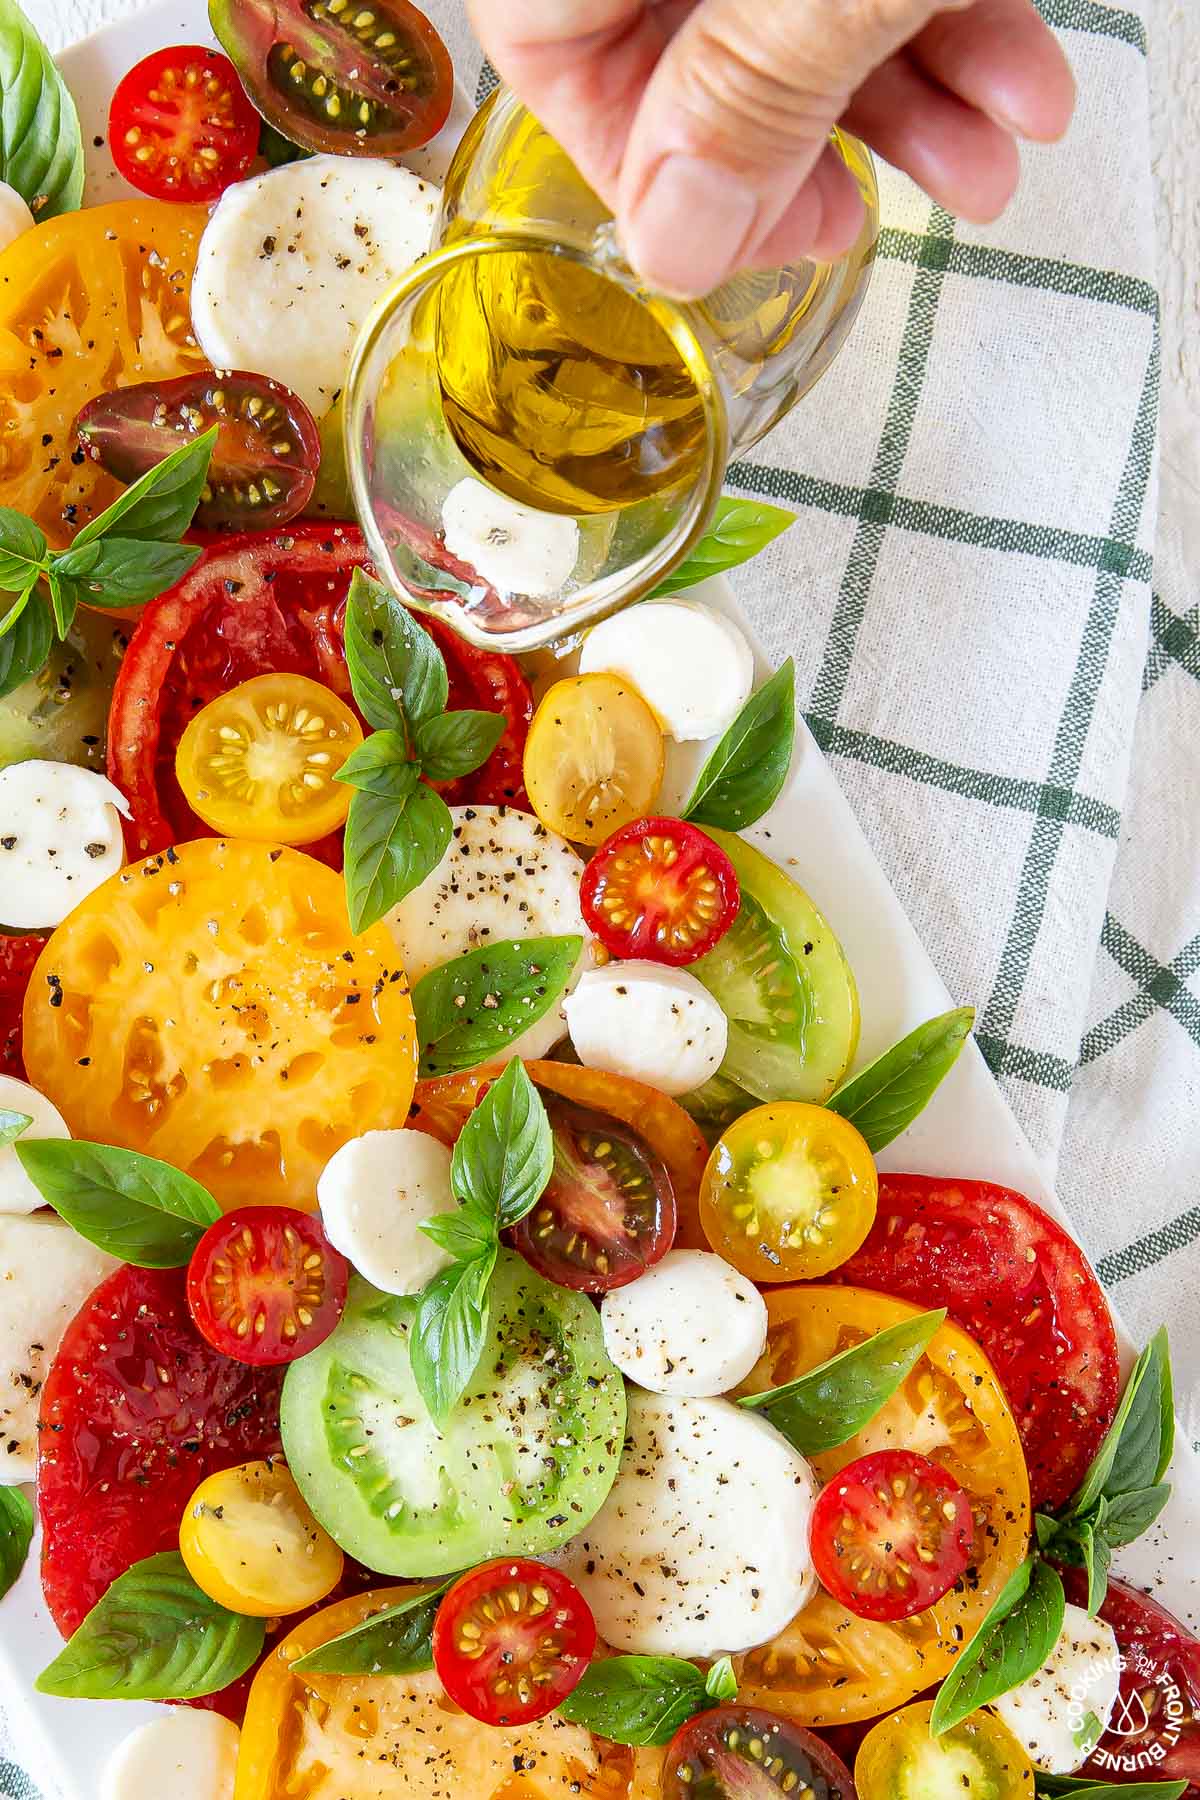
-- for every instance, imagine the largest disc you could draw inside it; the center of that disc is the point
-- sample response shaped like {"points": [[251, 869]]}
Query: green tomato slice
{"points": [[524, 1461]]}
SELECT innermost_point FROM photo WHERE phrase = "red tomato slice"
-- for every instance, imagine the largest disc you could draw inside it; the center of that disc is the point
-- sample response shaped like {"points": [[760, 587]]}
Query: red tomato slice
{"points": [[265, 1285], [17, 957], [511, 1640], [744, 1753], [1015, 1281], [891, 1533], [180, 126], [660, 889]]}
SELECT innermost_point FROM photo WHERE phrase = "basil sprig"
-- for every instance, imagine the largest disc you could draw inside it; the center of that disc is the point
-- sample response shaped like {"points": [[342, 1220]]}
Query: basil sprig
{"points": [[399, 829], [470, 1010], [1013, 1642], [739, 530], [834, 1401], [883, 1099], [136, 1208], [396, 1641], [645, 1699], [16, 1535], [1086, 1787], [745, 774], [41, 148], [12, 1124], [154, 1635]]}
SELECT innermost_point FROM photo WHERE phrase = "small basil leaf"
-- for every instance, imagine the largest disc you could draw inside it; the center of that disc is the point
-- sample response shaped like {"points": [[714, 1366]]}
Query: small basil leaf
{"points": [[65, 599], [12, 616], [41, 149], [448, 1334], [1086, 1787], [118, 571], [744, 775], [1137, 1446], [380, 765], [1097, 1560], [462, 1235], [396, 1641], [23, 547], [452, 744], [636, 1699], [1087, 1734], [159, 506], [883, 1099], [16, 1535], [470, 1010], [12, 1124], [397, 672], [26, 643], [739, 530], [504, 1154], [154, 1636], [1128, 1515], [390, 847], [133, 1206], [1012, 1643], [831, 1403], [720, 1683]]}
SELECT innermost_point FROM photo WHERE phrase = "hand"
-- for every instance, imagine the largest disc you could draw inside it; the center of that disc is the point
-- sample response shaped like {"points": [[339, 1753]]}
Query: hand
{"points": [[704, 123]]}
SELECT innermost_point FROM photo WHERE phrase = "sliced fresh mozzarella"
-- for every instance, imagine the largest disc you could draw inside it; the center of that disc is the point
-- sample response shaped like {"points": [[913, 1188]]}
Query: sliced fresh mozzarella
{"points": [[187, 1754], [373, 1194], [514, 547], [655, 1024], [17, 1192], [292, 262], [690, 664], [60, 837], [15, 216], [702, 1544], [504, 876], [690, 1325], [1060, 1713], [47, 1272]]}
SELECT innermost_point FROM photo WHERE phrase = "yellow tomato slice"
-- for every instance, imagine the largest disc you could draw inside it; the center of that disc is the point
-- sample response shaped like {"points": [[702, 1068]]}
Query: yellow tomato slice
{"points": [[211, 1006], [829, 1665], [593, 758], [789, 1192], [260, 760], [977, 1760], [251, 1543]]}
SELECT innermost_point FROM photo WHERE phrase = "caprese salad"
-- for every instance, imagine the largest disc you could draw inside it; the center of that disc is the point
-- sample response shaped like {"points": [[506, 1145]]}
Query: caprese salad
{"points": [[453, 1325]]}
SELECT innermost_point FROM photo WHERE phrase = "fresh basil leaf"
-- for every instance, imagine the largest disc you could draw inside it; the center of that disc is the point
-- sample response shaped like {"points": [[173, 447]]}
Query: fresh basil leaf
{"points": [[636, 1699], [23, 547], [452, 744], [448, 1334], [1086, 1787], [462, 1235], [744, 775], [720, 1683], [470, 1010], [16, 1535], [504, 1154], [1137, 1446], [159, 506], [739, 530], [390, 847], [154, 1636], [41, 149], [832, 1402], [1012, 1643], [1097, 1560], [12, 1124], [65, 600], [1126, 1516], [1087, 1734], [117, 571], [133, 1206], [883, 1099], [11, 618], [380, 765], [276, 150], [26, 642], [397, 672], [396, 1641]]}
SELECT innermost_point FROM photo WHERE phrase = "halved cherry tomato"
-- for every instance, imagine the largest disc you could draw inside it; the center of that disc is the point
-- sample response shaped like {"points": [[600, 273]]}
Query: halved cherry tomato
{"points": [[180, 126], [593, 758], [789, 1192], [250, 1542], [511, 1640], [742, 1753], [891, 1534], [978, 1760], [261, 760], [265, 1285], [268, 450], [608, 1213], [18, 956], [660, 889]]}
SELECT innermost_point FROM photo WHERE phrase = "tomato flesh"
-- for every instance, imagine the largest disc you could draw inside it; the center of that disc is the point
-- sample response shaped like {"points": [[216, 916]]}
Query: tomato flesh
{"points": [[268, 450], [17, 958], [265, 1285], [891, 1534], [511, 1640], [660, 889], [743, 1753], [180, 127], [979, 1759]]}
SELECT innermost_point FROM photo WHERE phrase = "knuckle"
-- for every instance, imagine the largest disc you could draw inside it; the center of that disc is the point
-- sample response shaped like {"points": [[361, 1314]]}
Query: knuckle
{"points": [[754, 93]]}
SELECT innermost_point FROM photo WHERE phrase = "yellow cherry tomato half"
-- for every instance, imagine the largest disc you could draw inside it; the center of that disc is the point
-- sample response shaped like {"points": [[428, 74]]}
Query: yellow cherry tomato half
{"points": [[977, 1760], [789, 1192], [259, 761], [593, 758], [251, 1543]]}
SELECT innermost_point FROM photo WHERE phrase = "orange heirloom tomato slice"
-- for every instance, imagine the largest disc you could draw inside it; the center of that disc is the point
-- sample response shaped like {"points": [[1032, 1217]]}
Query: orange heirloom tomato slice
{"points": [[211, 1006], [90, 301], [830, 1666]]}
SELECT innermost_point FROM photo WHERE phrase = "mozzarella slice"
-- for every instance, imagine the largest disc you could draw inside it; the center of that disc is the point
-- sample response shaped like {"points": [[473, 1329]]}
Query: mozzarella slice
{"points": [[702, 1544], [186, 1754], [47, 1272], [292, 262], [655, 1024], [504, 876], [690, 1325], [514, 547], [691, 665], [60, 837], [15, 216], [1060, 1713], [17, 1192], [373, 1194]]}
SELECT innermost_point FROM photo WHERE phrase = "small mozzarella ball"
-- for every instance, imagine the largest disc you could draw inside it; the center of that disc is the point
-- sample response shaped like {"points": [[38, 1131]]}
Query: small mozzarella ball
{"points": [[1061, 1712], [691, 665], [516, 548], [17, 1192], [690, 1325], [15, 216], [654, 1024], [60, 838], [373, 1194], [185, 1754]]}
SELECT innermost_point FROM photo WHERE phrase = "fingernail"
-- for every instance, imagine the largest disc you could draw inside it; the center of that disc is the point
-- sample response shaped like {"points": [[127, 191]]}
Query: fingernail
{"points": [[685, 233]]}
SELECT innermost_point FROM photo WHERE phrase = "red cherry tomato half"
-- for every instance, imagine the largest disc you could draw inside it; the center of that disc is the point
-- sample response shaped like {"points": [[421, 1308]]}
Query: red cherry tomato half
{"points": [[743, 1753], [180, 126], [891, 1534], [511, 1640], [265, 1285], [268, 452], [660, 889], [17, 957]]}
